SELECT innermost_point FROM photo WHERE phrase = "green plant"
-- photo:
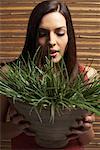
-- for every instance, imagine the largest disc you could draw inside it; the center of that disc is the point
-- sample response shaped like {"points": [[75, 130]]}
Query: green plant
{"points": [[49, 87]]}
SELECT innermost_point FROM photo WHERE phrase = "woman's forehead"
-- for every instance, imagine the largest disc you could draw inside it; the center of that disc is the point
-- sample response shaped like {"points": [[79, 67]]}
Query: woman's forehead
{"points": [[53, 20]]}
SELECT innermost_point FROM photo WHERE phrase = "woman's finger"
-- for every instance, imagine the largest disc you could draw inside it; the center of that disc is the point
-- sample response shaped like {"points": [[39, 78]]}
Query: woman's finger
{"points": [[90, 118], [16, 119], [11, 111], [72, 136], [23, 126], [84, 123], [29, 132]]}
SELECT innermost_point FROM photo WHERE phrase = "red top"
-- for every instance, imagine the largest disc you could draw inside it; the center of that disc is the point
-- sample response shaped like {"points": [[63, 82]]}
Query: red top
{"points": [[24, 142]]}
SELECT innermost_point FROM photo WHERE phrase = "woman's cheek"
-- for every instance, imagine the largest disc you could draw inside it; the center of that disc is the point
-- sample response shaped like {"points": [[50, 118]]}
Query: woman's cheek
{"points": [[41, 41]]}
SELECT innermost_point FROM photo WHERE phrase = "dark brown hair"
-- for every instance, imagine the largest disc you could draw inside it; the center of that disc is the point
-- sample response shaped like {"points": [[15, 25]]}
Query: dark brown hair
{"points": [[38, 12]]}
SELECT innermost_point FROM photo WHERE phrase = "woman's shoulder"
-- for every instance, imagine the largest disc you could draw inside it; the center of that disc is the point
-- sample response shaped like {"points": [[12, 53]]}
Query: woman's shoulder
{"points": [[3, 99], [4, 68], [90, 71]]}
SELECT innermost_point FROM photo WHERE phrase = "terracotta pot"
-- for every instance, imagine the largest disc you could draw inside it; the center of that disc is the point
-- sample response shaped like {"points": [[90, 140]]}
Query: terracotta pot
{"points": [[48, 134]]}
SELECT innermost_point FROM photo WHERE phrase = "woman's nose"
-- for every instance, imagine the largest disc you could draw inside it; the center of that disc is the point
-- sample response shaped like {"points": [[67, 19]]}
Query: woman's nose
{"points": [[52, 40], [51, 45]]}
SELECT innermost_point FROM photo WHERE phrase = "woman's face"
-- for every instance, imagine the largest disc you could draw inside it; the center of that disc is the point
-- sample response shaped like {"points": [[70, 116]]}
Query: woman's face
{"points": [[53, 34]]}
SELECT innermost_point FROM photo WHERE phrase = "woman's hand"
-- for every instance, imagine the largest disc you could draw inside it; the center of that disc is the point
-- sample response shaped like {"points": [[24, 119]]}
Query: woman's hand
{"points": [[83, 124], [19, 121], [83, 129]]}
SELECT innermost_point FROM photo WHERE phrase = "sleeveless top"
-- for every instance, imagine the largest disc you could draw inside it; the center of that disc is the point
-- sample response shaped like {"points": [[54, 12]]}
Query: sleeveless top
{"points": [[25, 142]]}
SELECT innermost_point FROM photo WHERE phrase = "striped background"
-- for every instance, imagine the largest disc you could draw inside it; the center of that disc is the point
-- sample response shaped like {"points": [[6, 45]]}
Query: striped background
{"points": [[14, 16]]}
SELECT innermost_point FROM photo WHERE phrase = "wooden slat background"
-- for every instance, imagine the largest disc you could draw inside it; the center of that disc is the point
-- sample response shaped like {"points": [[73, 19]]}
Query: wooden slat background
{"points": [[14, 16]]}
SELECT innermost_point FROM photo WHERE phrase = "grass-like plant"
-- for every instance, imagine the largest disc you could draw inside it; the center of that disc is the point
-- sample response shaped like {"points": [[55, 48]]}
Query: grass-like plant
{"points": [[49, 87]]}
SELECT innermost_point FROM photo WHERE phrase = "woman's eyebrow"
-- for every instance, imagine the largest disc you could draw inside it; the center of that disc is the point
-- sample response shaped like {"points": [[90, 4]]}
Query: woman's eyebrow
{"points": [[62, 27], [44, 29]]}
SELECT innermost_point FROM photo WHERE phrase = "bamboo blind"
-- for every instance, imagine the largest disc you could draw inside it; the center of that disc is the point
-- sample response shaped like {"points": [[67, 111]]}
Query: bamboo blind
{"points": [[14, 16]]}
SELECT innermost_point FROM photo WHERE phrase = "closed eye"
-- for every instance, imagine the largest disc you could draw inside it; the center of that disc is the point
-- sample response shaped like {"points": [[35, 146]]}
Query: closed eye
{"points": [[43, 32], [60, 31], [60, 34]]}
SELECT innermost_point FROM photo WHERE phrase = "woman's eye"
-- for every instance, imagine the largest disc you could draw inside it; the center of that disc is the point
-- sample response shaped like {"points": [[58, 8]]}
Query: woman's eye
{"points": [[42, 34], [60, 33]]}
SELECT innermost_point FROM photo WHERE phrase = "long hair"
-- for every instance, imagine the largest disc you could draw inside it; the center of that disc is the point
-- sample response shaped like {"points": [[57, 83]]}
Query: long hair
{"points": [[38, 12]]}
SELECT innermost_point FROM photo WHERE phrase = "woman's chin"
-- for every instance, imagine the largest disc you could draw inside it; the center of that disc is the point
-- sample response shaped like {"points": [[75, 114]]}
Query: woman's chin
{"points": [[55, 59]]}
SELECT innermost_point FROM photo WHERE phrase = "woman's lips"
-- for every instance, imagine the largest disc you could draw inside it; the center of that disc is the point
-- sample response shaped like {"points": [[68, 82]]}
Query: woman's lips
{"points": [[53, 53]]}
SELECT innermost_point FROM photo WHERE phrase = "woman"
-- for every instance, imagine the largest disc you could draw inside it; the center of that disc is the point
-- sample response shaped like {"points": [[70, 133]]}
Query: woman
{"points": [[49, 26]]}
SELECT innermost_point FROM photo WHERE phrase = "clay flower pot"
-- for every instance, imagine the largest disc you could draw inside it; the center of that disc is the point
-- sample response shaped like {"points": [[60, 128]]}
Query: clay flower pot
{"points": [[48, 134]]}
